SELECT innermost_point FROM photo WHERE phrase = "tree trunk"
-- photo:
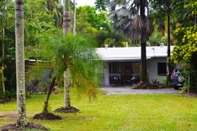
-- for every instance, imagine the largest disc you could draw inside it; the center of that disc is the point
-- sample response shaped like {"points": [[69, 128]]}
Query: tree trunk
{"points": [[143, 45], [66, 17], [66, 29], [66, 89], [168, 69], [49, 6], [20, 63], [46, 102]]}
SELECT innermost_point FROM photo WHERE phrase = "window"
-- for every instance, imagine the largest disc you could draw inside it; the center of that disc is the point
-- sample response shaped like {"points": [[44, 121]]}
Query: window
{"points": [[161, 68]]}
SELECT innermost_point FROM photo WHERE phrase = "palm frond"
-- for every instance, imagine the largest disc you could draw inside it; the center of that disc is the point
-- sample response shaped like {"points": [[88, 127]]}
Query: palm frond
{"points": [[149, 26], [112, 15], [138, 23], [122, 22], [133, 11], [135, 36], [128, 25], [122, 12]]}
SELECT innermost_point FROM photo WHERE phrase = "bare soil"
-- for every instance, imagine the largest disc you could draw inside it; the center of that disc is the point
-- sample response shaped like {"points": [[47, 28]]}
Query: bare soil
{"points": [[13, 127], [67, 110], [47, 116], [2, 101], [13, 116]]}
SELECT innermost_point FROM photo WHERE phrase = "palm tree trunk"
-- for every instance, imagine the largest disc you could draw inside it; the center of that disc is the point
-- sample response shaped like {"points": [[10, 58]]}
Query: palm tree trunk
{"points": [[46, 102], [66, 89], [66, 17], [168, 52], [66, 29], [20, 63], [143, 45]]}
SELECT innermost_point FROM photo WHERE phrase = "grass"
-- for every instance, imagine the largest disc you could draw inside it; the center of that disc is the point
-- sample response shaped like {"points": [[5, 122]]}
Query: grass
{"points": [[145, 112]]}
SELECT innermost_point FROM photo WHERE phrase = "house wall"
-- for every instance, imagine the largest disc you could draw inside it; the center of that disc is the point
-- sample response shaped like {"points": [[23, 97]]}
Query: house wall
{"points": [[152, 67], [106, 74]]}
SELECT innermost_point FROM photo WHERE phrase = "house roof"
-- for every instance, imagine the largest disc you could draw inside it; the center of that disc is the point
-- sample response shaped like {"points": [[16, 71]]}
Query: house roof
{"points": [[131, 53]]}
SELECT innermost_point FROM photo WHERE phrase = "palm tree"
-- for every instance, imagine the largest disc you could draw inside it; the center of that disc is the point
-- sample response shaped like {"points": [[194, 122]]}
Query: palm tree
{"points": [[73, 57], [20, 63], [66, 29], [164, 9], [130, 19]]}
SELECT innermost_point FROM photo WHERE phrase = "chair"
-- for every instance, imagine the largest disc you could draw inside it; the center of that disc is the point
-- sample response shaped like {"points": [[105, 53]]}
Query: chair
{"points": [[114, 80]]}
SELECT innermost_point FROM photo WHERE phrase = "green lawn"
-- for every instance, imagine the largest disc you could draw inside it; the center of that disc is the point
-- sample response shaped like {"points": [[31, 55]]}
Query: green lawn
{"points": [[158, 112]]}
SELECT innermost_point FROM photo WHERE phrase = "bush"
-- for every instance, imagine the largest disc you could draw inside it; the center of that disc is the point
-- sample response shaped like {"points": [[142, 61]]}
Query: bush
{"points": [[8, 94]]}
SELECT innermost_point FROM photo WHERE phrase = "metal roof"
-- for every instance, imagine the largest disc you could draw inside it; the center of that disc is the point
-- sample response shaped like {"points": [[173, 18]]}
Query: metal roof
{"points": [[131, 53]]}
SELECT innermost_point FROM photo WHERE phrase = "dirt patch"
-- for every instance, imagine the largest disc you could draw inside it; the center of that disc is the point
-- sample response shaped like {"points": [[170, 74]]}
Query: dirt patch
{"points": [[47, 116], [67, 110], [189, 94], [10, 115], [2, 101], [29, 126]]}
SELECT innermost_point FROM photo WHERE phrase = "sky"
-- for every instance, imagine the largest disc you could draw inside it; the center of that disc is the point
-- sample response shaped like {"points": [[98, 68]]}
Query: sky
{"points": [[85, 2]]}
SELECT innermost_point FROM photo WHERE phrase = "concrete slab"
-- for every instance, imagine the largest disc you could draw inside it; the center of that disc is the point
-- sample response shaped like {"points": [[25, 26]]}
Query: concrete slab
{"points": [[129, 90]]}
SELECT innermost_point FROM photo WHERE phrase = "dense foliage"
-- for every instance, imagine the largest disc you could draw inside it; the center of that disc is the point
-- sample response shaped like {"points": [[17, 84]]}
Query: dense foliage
{"points": [[94, 23], [186, 49], [89, 21], [7, 50], [42, 17]]}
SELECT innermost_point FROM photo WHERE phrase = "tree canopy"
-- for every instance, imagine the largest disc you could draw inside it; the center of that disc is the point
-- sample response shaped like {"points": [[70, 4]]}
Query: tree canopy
{"points": [[89, 20], [186, 39]]}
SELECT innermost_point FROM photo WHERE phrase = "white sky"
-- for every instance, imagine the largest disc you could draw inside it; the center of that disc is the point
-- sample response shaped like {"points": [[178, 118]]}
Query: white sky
{"points": [[85, 2]]}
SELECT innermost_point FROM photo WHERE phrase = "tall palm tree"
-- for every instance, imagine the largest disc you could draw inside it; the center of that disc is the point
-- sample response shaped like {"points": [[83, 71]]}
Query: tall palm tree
{"points": [[164, 9], [20, 63], [66, 29], [132, 18]]}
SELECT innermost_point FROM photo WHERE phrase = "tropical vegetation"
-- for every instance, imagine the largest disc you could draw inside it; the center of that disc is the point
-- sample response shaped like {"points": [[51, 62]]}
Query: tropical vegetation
{"points": [[44, 36], [186, 49]]}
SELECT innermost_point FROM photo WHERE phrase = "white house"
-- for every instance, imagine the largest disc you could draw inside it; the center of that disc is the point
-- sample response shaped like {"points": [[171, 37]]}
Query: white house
{"points": [[124, 62]]}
